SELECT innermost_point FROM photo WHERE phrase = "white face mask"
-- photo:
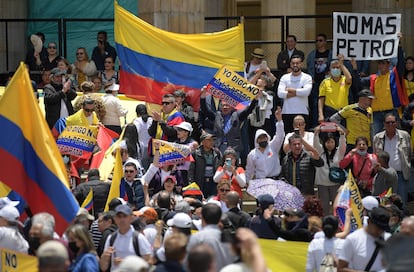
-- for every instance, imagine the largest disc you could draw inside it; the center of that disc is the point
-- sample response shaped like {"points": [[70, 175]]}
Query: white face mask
{"points": [[362, 152], [335, 72]]}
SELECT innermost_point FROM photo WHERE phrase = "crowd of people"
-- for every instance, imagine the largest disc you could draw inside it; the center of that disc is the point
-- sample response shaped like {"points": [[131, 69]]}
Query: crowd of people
{"points": [[297, 129]]}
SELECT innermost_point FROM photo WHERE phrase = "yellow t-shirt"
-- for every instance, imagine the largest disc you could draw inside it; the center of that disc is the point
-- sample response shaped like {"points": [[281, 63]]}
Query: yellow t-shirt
{"points": [[358, 122], [409, 86], [383, 96], [335, 93]]}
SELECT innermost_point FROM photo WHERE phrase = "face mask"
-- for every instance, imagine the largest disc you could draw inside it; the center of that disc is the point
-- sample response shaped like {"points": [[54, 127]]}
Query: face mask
{"points": [[263, 144], [72, 246], [34, 243], [335, 72], [362, 152]]}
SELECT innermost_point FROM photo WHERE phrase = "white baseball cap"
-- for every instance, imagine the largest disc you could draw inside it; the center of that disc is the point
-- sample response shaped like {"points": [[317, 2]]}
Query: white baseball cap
{"points": [[180, 220], [5, 201], [186, 126], [370, 202], [10, 213]]}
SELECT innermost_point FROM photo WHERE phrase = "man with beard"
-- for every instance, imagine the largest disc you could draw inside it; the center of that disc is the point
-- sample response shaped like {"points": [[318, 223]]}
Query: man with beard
{"points": [[294, 88], [58, 97]]}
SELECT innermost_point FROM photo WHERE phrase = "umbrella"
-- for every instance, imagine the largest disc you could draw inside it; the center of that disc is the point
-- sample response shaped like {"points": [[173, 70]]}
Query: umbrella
{"points": [[285, 195]]}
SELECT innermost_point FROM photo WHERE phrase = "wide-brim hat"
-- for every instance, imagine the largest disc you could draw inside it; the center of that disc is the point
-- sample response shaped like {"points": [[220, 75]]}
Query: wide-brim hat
{"points": [[258, 53], [37, 43]]}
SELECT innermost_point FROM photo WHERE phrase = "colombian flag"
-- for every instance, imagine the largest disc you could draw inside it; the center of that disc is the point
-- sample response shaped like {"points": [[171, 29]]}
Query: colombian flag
{"points": [[88, 202], [116, 189], [155, 62], [30, 161]]}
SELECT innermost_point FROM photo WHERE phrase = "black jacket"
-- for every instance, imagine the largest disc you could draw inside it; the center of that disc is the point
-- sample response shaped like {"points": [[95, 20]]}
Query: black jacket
{"points": [[53, 96], [100, 194]]}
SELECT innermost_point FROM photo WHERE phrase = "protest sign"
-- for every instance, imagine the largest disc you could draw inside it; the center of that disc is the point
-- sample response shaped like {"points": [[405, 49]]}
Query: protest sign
{"points": [[232, 88], [365, 36], [78, 141], [15, 261], [172, 153]]}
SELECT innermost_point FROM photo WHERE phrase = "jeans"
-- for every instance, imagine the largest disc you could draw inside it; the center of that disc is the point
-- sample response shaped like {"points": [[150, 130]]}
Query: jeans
{"points": [[402, 189]]}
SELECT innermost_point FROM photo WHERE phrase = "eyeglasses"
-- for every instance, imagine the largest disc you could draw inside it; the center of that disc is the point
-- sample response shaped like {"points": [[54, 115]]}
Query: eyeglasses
{"points": [[129, 171], [390, 122], [51, 47], [224, 190], [79, 53], [164, 103], [300, 125], [88, 110], [319, 40]]}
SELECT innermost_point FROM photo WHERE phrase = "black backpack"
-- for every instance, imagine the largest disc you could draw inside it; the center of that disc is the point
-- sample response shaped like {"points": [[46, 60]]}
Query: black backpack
{"points": [[135, 242]]}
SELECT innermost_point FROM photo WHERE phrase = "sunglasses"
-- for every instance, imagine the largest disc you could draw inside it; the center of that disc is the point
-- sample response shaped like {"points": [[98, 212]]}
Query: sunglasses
{"points": [[108, 61], [390, 122], [79, 53], [129, 171], [89, 110], [51, 47], [164, 103], [224, 190]]}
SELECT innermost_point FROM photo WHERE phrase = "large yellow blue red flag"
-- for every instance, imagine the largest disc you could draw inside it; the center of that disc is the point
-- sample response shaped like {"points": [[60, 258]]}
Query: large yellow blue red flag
{"points": [[155, 62], [30, 161]]}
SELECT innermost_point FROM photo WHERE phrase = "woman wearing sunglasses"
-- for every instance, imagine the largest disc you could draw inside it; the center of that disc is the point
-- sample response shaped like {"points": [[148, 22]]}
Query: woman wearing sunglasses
{"points": [[223, 187]]}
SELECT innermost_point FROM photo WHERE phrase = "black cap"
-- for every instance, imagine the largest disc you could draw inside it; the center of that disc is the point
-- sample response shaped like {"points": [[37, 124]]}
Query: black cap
{"points": [[265, 201], [380, 217], [366, 93]]}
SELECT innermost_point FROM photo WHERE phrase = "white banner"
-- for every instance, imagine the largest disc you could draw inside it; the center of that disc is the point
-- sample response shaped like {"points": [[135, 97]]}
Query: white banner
{"points": [[365, 36]]}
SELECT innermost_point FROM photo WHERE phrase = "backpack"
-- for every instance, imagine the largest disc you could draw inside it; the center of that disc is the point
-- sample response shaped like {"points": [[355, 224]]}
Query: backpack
{"points": [[328, 263], [135, 242]]}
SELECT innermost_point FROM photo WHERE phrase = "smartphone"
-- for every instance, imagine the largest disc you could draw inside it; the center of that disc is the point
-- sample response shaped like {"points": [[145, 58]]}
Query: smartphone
{"points": [[297, 132], [228, 162]]}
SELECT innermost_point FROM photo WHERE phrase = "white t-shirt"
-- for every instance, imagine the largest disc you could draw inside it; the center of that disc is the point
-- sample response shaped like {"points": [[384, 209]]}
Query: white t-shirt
{"points": [[358, 249], [317, 250], [299, 103], [124, 247]]}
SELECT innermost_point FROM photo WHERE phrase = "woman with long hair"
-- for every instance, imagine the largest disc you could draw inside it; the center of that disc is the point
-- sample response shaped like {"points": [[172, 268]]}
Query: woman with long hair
{"points": [[408, 77], [142, 123], [332, 152], [83, 68], [81, 244]]}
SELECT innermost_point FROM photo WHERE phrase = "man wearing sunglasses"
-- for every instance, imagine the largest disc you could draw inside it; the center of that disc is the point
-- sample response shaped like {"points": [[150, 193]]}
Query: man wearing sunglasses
{"points": [[131, 186], [397, 143], [163, 125]]}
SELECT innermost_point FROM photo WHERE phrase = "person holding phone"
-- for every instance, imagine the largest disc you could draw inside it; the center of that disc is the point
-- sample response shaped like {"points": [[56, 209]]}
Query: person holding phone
{"points": [[231, 171], [103, 50]]}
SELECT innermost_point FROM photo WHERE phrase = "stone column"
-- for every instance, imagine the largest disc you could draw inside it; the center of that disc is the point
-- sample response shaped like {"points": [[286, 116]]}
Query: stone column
{"points": [[16, 33], [405, 7], [180, 16], [304, 29]]}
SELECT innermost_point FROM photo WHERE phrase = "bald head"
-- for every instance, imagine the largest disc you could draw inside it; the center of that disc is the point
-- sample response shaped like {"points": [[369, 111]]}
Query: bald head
{"points": [[233, 199], [407, 226]]}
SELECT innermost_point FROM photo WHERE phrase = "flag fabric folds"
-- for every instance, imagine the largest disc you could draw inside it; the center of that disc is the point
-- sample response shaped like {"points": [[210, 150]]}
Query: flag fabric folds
{"points": [[104, 140], [88, 202], [116, 189], [30, 160], [155, 61]]}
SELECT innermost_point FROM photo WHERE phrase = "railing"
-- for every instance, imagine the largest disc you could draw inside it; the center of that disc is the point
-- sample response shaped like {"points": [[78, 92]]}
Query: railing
{"points": [[284, 23]]}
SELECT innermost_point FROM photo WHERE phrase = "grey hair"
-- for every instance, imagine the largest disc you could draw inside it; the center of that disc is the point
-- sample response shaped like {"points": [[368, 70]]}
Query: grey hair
{"points": [[47, 221]]}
